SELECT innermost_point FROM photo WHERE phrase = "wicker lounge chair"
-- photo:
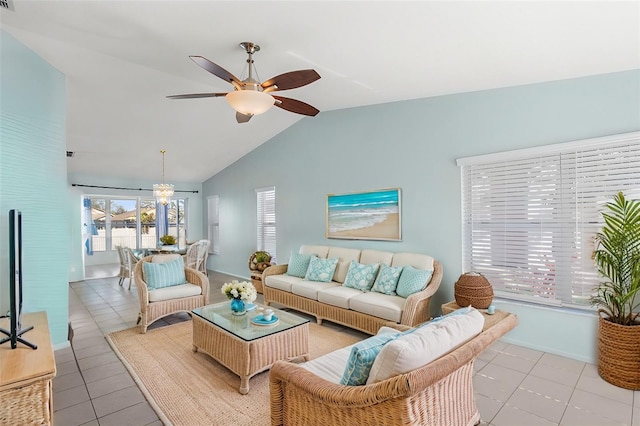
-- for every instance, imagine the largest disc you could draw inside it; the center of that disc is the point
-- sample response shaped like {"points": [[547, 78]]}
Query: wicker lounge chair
{"points": [[439, 393], [151, 311]]}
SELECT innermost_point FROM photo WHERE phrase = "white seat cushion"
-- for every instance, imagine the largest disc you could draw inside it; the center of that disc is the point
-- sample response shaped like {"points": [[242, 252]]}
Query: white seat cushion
{"points": [[309, 289], [379, 305], [337, 296], [425, 344], [345, 256], [331, 366], [417, 260], [281, 282], [174, 292]]}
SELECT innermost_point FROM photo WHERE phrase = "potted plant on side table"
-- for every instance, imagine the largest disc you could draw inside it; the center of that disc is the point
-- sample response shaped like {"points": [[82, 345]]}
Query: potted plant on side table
{"points": [[617, 297]]}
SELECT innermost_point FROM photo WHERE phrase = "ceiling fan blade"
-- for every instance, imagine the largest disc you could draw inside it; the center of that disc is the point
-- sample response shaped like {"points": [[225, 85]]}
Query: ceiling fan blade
{"points": [[243, 118], [290, 80], [294, 105], [216, 70], [197, 95]]}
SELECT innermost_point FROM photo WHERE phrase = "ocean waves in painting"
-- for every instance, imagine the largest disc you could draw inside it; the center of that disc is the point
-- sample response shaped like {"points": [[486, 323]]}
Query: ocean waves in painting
{"points": [[350, 212]]}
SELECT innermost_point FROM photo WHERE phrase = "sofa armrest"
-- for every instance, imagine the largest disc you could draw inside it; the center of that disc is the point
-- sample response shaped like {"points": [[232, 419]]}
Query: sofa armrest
{"points": [[141, 285], [198, 278], [274, 270], [416, 308]]}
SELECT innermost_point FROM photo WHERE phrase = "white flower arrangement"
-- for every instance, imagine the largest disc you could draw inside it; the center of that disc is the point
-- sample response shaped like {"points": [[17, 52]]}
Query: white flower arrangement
{"points": [[244, 291]]}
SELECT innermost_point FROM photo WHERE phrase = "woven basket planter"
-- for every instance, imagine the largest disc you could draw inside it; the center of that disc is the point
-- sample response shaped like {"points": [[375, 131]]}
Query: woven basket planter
{"points": [[473, 289], [619, 354]]}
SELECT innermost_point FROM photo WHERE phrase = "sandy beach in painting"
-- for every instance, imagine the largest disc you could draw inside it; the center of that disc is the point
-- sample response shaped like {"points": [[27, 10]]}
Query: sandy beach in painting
{"points": [[387, 229]]}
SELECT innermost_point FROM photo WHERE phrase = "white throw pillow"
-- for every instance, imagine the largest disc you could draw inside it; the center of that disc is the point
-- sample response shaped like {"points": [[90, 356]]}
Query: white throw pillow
{"points": [[425, 344]]}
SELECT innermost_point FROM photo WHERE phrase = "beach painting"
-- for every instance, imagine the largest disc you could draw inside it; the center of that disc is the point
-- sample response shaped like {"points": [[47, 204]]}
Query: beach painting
{"points": [[372, 215]]}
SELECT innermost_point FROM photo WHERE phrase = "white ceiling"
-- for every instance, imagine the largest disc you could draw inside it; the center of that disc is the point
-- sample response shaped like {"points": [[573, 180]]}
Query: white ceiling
{"points": [[122, 58]]}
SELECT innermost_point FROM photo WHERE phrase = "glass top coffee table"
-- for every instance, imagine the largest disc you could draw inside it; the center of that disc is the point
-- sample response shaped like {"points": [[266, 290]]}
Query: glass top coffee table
{"points": [[244, 347]]}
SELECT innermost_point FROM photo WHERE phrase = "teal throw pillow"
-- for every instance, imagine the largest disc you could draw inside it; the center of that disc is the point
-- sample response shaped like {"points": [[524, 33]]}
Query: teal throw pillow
{"points": [[321, 270], [298, 264], [361, 359], [160, 275], [361, 276], [412, 280], [387, 280]]}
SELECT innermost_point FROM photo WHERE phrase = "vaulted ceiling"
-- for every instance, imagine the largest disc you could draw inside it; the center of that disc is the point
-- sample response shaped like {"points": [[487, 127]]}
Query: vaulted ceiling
{"points": [[122, 58]]}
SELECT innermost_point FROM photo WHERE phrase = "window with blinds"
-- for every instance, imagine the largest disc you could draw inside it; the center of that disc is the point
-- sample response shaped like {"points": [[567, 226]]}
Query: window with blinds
{"points": [[266, 214], [529, 217], [213, 223]]}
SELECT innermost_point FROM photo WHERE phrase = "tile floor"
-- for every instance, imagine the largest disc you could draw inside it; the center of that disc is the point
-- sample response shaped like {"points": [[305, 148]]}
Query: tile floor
{"points": [[514, 385]]}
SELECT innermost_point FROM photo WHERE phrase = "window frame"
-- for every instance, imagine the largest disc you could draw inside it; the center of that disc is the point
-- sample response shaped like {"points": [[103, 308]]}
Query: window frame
{"points": [[266, 206], [589, 172]]}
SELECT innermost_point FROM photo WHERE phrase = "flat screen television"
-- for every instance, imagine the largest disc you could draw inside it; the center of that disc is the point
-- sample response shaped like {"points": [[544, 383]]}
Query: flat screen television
{"points": [[15, 332]]}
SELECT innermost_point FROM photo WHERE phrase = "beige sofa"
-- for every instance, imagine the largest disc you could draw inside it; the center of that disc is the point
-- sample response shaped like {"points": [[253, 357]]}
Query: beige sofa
{"points": [[437, 393], [364, 311]]}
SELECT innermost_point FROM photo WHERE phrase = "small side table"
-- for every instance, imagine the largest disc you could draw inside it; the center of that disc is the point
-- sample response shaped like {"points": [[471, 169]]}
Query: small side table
{"points": [[256, 280], [489, 320]]}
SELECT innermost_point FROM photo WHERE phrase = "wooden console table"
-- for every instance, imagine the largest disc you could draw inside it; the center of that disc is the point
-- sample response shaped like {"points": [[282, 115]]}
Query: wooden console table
{"points": [[26, 375]]}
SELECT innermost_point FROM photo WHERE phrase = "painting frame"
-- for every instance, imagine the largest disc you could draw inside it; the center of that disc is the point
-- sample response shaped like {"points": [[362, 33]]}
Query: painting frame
{"points": [[365, 215]]}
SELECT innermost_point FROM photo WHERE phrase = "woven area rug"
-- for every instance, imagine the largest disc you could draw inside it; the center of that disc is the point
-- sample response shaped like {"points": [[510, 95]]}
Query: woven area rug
{"points": [[187, 388]]}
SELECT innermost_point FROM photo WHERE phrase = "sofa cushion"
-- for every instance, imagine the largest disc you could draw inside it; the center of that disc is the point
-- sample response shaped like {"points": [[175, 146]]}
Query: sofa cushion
{"points": [[420, 261], [376, 256], [361, 276], [379, 305], [425, 344], [174, 292], [345, 256], [361, 359], [320, 251], [337, 296], [281, 282], [298, 264], [331, 366], [412, 280], [165, 274], [387, 280], [310, 289], [321, 270]]}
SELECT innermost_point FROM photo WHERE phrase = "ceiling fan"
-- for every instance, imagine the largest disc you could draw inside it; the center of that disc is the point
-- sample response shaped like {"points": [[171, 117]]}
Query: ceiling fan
{"points": [[250, 97]]}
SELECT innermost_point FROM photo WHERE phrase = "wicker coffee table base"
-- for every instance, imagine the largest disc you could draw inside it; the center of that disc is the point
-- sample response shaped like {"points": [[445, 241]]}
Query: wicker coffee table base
{"points": [[248, 358]]}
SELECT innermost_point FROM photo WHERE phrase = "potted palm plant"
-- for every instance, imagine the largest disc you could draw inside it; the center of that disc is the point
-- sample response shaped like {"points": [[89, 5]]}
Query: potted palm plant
{"points": [[617, 297]]}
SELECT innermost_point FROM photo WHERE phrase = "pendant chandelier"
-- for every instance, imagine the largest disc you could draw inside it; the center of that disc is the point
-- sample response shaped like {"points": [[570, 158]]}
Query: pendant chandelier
{"points": [[163, 191]]}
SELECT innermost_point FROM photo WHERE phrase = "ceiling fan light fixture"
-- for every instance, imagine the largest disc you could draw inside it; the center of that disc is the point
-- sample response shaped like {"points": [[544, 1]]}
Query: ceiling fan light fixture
{"points": [[250, 102]]}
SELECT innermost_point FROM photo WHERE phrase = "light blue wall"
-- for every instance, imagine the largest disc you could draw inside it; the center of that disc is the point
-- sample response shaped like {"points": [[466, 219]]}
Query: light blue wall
{"points": [[33, 179], [413, 145]]}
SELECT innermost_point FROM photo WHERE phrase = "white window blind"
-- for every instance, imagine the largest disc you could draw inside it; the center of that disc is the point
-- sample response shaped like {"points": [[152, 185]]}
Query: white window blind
{"points": [[529, 217], [213, 220], [266, 214]]}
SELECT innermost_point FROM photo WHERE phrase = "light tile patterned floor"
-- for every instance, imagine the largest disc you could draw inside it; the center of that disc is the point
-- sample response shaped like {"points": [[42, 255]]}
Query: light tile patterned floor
{"points": [[513, 385]]}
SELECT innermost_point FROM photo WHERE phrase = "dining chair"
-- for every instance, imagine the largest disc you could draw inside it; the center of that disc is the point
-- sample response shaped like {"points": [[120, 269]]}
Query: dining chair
{"points": [[196, 256]]}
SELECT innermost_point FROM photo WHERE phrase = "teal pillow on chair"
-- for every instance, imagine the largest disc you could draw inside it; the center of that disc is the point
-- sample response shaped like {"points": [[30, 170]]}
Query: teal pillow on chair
{"points": [[361, 359], [361, 276], [412, 280], [387, 280], [298, 264], [168, 274], [321, 270]]}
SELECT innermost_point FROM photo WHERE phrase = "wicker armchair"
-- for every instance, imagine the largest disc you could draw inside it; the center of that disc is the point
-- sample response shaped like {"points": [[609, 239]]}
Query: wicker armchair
{"points": [[152, 311], [439, 393]]}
